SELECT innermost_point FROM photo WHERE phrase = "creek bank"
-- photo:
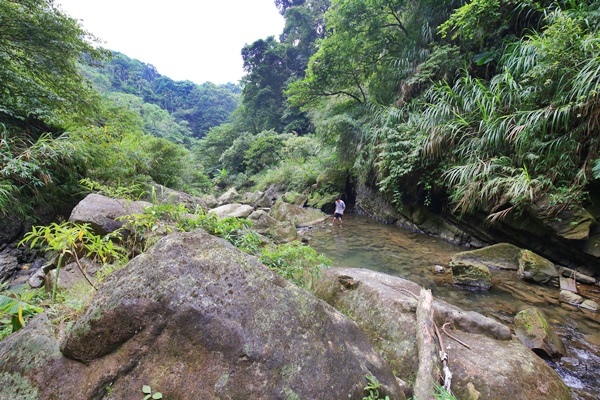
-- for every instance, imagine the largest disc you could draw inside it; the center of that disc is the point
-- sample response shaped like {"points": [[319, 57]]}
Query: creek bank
{"points": [[569, 237], [496, 366]]}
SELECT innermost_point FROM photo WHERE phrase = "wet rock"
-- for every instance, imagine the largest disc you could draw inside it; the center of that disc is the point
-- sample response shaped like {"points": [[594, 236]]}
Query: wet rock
{"points": [[471, 274], [299, 216], [535, 268], [589, 305], [438, 269], [232, 210], [501, 256], [104, 213], [229, 196], [570, 297], [533, 331], [497, 366]]}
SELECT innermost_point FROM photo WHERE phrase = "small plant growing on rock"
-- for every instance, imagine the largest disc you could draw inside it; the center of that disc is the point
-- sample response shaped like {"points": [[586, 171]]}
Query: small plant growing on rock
{"points": [[147, 390], [373, 387], [295, 262], [73, 241]]}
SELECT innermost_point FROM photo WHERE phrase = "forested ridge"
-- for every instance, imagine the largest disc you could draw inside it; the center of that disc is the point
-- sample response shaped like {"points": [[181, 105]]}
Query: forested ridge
{"points": [[487, 106]]}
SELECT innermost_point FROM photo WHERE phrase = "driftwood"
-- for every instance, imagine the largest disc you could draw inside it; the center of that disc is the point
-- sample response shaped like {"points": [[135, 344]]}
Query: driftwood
{"points": [[429, 371]]}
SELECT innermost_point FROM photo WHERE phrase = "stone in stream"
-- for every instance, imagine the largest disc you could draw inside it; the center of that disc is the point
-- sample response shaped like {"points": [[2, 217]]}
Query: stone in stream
{"points": [[570, 297], [500, 256], [235, 210], [471, 274], [589, 305], [535, 268], [534, 331]]}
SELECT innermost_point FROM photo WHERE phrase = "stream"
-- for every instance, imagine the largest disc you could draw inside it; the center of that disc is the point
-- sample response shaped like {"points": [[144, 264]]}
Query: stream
{"points": [[365, 243]]}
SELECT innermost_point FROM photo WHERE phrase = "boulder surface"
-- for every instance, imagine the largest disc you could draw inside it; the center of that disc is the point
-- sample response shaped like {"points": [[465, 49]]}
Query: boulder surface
{"points": [[194, 318]]}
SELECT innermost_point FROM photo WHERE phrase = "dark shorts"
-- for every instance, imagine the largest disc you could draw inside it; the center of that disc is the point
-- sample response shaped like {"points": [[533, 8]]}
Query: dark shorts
{"points": [[337, 215]]}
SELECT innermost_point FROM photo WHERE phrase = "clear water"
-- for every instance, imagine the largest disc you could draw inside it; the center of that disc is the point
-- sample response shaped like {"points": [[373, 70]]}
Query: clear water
{"points": [[364, 243]]}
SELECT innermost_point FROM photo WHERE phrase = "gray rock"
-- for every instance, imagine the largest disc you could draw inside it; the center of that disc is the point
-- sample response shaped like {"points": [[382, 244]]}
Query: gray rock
{"points": [[535, 268], [570, 297], [299, 216], [11, 228], [251, 198], [103, 213], [496, 365], [164, 195], [533, 331], [9, 265], [500, 256], [229, 196], [297, 199], [195, 317], [233, 210], [589, 305], [471, 274], [280, 232]]}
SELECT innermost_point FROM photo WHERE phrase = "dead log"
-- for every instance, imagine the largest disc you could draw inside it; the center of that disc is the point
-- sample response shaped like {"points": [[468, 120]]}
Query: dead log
{"points": [[429, 372]]}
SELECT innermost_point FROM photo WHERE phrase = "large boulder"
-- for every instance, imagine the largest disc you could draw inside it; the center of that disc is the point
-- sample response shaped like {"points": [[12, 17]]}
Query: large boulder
{"points": [[299, 216], [164, 195], [280, 232], [496, 366], [534, 331], [572, 223], [471, 275], [104, 213], [535, 268], [497, 256], [193, 318], [11, 228], [229, 196], [232, 210]]}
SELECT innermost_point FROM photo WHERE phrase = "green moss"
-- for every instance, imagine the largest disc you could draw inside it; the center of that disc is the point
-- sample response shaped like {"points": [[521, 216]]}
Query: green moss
{"points": [[15, 386]]}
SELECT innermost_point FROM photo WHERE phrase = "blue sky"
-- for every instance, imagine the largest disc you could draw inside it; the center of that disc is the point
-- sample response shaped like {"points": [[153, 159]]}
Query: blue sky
{"points": [[184, 39]]}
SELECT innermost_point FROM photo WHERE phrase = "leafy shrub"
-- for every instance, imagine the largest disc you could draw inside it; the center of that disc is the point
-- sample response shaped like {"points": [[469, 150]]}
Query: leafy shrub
{"points": [[296, 262]]}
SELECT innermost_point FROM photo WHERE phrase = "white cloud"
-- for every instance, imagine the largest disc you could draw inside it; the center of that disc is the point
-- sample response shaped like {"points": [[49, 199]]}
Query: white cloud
{"points": [[185, 40]]}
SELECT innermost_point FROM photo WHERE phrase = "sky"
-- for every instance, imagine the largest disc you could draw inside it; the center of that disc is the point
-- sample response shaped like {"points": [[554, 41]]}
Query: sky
{"points": [[196, 40]]}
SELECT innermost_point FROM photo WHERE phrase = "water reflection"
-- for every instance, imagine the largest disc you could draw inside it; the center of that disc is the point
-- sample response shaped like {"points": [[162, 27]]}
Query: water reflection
{"points": [[365, 243]]}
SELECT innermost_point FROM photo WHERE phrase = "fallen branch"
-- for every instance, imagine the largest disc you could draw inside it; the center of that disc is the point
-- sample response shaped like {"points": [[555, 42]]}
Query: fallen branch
{"points": [[428, 371], [452, 337]]}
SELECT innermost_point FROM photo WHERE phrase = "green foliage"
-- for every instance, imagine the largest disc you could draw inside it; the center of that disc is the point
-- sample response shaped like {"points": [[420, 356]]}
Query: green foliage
{"points": [[132, 192], [372, 388], [298, 263], [147, 390], [16, 307], [171, 109], [40, 48], [36, 173], [68, 241]]}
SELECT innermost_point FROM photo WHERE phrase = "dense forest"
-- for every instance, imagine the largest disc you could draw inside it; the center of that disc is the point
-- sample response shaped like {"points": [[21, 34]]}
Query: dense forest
{"points": [[487, 106]]}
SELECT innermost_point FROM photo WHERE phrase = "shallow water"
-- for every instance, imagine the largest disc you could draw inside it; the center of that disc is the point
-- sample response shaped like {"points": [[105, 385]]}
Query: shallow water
{"points": [[364, 243]]}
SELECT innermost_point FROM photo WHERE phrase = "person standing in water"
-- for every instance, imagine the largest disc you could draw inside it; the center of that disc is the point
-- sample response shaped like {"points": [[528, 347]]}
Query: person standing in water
{"points": [[340, 206]]}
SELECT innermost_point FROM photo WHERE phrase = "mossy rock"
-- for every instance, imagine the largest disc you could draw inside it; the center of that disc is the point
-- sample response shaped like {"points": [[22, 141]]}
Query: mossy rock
{"points": [[295, 198], [533, 331], [535, 268], [471, 274], [499, 256]]}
